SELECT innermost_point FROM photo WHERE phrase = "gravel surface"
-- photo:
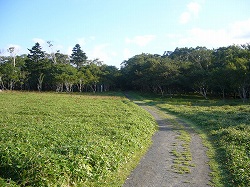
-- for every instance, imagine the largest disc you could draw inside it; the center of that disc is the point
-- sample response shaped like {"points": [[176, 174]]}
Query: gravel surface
{"points": [[155, 168]]}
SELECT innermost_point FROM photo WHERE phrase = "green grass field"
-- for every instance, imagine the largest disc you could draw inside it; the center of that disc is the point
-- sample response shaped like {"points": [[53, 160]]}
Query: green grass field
{"points": [[226, 125], [49, 139]]}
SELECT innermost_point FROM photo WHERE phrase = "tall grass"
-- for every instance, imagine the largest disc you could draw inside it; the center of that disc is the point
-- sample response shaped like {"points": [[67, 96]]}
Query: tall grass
{"points": [[49, 139]]}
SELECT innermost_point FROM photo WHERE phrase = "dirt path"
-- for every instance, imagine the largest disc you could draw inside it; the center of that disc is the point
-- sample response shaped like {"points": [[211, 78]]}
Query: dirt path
{"points": [[161, 166]]}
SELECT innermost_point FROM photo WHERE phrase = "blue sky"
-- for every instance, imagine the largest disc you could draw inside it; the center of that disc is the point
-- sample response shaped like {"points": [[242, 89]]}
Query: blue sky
{"points": [[115, 30]]}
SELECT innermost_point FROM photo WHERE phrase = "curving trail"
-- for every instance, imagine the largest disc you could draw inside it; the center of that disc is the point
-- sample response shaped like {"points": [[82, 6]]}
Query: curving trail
{"points": [[156, 167]]}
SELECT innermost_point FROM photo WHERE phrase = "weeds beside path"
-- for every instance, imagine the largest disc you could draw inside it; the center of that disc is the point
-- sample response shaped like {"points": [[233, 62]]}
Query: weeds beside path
{"points": [[177, 156]]}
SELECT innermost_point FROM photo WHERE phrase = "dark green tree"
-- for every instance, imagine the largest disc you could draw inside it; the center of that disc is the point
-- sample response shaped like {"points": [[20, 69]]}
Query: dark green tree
{"points": [[37, 66], [65, 77], [62, 58], [36, 53], [231, 70], [78, 57], [9, 75], [109, 78], [147, 72], [92, 74]]}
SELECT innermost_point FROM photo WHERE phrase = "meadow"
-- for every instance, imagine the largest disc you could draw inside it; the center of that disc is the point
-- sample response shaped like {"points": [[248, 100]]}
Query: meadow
{"points": [[225, 125], [50, 139]]}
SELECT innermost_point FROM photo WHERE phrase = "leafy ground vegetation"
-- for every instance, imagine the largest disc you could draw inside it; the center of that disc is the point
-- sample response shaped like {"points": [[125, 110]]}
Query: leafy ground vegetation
{"points": [[49, 139], [226, 125], [183, 158]]}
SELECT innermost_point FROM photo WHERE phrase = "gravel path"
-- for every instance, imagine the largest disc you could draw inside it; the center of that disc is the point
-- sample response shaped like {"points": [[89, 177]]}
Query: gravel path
{"points": [[156, 167]]}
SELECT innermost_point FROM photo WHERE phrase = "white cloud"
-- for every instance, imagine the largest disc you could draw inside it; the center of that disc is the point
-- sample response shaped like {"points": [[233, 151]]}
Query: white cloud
{"points": [[69, 50], [113, 53], [39, 40], [185, 17], [240, 29], [202, 37], [236, 33], [17, 47], [81, 41], [126, 53], [43, 43], [101, 51], [140, 40], [58, 47], [55, 46], [18, 50], [193, 10]]}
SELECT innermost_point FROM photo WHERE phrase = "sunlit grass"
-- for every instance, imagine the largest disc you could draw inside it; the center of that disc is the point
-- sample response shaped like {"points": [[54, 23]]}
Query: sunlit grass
{"points": [[49, 139]]}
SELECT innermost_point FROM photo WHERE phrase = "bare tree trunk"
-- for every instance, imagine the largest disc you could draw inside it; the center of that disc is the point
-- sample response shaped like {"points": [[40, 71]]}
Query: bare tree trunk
{"points": [[14, 61], [2, 84], [71, 87], [203, 92], [67, 86], [52, 54], [40, 82], [223, 93], [80, 85], [11, 85], [161, 90], [101, 87], [93, 88], [243, 93], [59, 87]]}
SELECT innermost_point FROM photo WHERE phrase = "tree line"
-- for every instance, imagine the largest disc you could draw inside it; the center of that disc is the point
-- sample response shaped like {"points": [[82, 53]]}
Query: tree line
{"points": [[223, 72], [55, 71]]}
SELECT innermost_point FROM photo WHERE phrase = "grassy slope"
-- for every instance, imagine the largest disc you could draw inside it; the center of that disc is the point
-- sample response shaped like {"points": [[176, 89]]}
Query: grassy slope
{"points": [[226, 124], [49, 139]]}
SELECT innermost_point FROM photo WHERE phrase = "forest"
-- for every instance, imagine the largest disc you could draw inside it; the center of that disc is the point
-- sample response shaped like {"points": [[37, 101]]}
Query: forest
{"points": [[223, 72]]}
